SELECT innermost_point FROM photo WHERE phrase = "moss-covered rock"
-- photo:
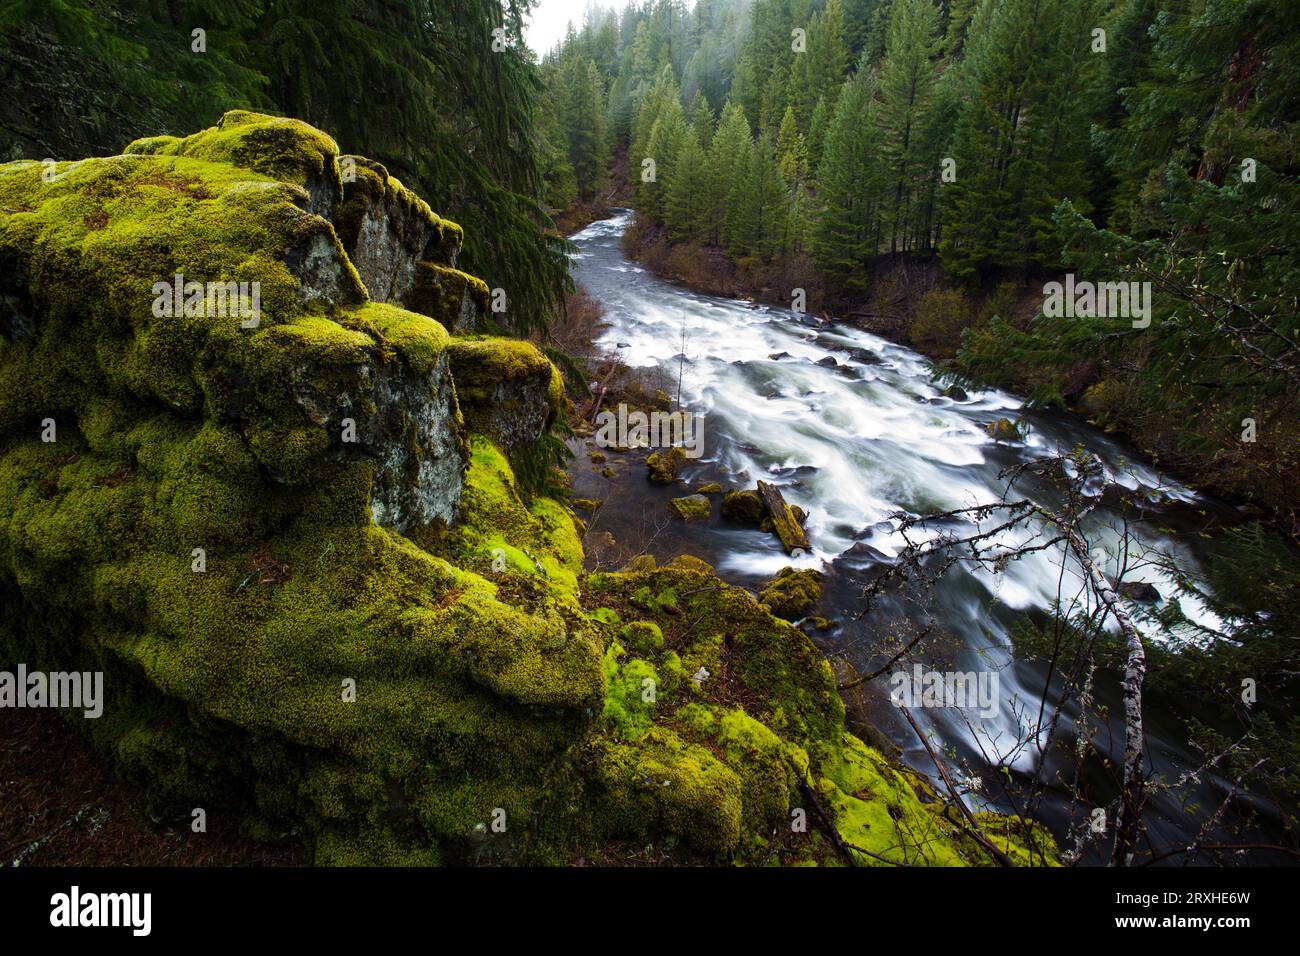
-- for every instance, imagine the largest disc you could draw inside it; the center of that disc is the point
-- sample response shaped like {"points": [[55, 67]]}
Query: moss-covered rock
{"points": [[387, 231], [792, 593], [507, 388], [215, 520], [744, 507], [662, 466], [1005, 430], [691, 508]]}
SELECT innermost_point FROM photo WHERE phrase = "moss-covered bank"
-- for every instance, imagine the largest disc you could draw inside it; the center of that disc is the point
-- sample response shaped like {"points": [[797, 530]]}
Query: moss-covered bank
{"points": [[318, 597]]}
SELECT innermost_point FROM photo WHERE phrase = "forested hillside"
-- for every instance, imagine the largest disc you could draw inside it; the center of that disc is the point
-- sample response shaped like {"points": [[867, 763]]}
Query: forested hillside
{"points": [[817, 146]]}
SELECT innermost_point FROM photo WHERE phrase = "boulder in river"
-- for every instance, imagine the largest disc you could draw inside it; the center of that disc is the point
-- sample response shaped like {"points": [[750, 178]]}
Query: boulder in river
{"points": [[1004, 429], [661, 467], [691, 507], [792, 593], [744, 507], [1140, 591]]}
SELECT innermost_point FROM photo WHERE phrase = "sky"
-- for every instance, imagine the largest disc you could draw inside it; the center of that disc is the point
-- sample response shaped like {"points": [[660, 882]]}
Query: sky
{"points": [[550, 18]]}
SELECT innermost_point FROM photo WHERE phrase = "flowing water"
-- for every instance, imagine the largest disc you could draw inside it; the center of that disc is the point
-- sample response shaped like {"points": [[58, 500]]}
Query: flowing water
{"points": [[853, 443]]}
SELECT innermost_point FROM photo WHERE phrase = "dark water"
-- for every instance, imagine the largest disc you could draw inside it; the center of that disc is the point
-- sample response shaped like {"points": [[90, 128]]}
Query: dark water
{"points": [[853, 444]]}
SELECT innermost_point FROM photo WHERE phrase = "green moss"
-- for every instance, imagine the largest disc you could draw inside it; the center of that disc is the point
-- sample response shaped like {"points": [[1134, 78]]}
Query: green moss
{"points": [[284, 149], [692, 563], [418, 339], [691, 508], [661, 467], [664, 785], [538, 540], [792, 593], [631, 688]]}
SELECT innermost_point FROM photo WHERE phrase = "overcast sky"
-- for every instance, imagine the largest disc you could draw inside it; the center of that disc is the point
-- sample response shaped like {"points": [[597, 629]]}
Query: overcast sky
{"points": [[550, 18]]}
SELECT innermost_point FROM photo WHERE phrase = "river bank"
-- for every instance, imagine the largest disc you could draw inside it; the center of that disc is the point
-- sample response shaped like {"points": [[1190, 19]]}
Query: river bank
{"points": [[853, 429]]}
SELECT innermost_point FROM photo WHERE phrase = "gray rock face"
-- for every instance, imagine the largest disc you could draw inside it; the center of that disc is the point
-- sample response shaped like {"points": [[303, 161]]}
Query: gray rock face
{"points": [[406, 422], [321, 268], [518, 410], [386, 231], [421, 460]]}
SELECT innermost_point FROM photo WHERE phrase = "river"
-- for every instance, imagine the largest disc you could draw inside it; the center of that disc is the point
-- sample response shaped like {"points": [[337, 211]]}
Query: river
{"points": [[853, 443]]}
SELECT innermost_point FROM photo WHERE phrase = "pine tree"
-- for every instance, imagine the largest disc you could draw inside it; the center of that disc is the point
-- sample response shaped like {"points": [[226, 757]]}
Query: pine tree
{"points": [[687, 210], [702, 120], [758, 199], [664, 144], [727, 156], [846, 233], [829, 52], [1013, 140], [906, 89], [821, 118], [789, 149]]}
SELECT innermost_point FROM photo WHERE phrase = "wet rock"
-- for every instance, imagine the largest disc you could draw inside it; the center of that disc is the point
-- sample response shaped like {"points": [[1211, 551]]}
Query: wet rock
{"points": [[744, 507], [691, 507], [955, 392], [778, 356], [709, 488], [1140, 591], [792, 593], [828, 362], [865, 356], [662, 467], [1004, 429], [586, 504]]}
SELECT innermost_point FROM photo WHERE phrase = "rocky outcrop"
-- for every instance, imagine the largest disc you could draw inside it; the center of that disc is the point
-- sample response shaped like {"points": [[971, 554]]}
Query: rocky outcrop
{"points": [[214, 500], [507, 388]]}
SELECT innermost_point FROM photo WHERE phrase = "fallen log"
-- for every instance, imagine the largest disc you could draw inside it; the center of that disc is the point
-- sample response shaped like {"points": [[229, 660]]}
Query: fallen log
{"points": [[784, 522]]}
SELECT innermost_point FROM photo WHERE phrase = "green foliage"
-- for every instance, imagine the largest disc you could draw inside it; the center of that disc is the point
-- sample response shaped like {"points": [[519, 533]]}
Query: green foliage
{"points": [[846, 232]]}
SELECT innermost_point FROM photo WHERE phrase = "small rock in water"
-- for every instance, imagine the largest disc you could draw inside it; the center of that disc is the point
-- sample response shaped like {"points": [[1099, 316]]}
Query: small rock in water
{"points": [[691, 508], [828, 362], [1139, 591], [1004, 429]]}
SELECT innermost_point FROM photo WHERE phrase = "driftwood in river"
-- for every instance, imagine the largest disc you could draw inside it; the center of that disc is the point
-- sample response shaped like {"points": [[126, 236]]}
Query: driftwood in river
{"points": [[784, 522]]}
